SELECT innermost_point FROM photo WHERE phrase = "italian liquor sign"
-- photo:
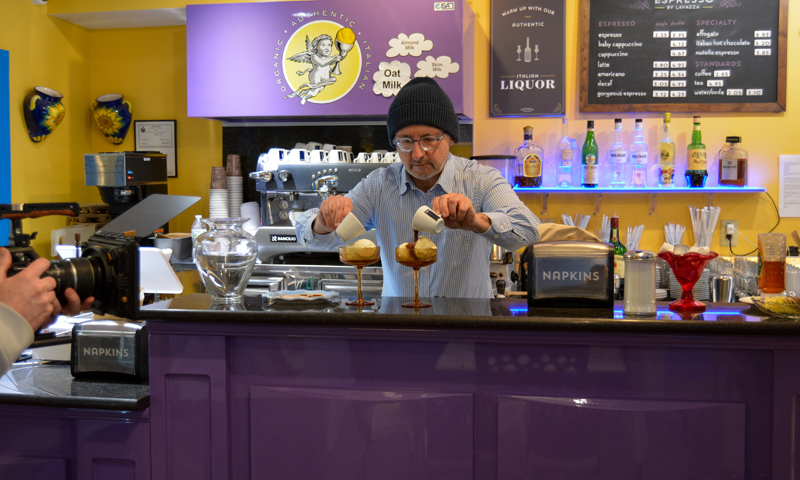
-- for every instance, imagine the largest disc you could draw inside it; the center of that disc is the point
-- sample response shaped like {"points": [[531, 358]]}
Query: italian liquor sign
{"points": [[683, 55], [528, 58]]}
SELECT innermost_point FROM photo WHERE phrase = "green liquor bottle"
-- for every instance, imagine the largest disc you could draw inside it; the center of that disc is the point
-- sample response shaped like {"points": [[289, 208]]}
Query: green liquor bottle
{"points": [[619, 248], [590, 172], [696, 166]]}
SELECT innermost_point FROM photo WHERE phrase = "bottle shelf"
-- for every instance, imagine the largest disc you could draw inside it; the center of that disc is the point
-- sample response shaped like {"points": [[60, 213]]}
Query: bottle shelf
{"points": [[653, 192]]}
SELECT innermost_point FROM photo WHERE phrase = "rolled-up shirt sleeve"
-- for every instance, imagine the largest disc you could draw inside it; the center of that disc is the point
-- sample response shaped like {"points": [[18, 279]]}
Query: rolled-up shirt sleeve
{"points": [[513, 224], [15, 336], [306, 235]]}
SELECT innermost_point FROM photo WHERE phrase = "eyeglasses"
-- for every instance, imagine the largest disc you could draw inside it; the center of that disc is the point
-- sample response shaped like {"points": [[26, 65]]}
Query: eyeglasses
{"points": [[427, 143]]}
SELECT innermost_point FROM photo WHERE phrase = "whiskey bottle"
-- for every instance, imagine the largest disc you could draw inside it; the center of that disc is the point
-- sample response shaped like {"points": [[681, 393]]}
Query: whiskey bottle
{"points": [[696, 166], [666, 155], [590, 172], [733, 164], [529, 157]]}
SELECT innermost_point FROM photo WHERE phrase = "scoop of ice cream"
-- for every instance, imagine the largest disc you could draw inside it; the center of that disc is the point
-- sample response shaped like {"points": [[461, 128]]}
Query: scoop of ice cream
{"points": [[403, 253], [364, 249], [425, 249]]}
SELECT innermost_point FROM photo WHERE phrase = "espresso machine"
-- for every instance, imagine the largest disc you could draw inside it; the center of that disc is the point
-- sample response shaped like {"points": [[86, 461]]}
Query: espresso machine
{"points": [[126, 178], [286, 190]]}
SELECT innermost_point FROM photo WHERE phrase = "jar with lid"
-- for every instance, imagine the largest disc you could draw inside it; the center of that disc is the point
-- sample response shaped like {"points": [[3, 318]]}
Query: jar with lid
{"points": [[733, 164], [640, 283]]}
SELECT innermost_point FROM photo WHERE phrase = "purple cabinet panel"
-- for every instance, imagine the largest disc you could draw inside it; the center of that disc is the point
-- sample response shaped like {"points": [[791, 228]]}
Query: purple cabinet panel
{"points": [[303, 433], [786, 416], [188, 388], [29, 468], [113, 450], [275, 59], [579, 438]]}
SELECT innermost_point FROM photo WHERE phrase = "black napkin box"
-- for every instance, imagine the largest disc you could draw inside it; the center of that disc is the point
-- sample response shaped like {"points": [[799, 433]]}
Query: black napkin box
{"points": [[110, 350], [569, 274]]}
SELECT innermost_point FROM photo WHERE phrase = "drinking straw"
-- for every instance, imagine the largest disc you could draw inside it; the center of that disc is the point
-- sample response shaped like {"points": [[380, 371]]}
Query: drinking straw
{"points": [[605, 229], [796, 238], [674, 233]]}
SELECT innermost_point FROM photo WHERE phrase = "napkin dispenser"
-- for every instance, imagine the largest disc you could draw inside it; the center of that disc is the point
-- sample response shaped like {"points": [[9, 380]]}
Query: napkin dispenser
{"points": [[109, 350], [569, 274]]}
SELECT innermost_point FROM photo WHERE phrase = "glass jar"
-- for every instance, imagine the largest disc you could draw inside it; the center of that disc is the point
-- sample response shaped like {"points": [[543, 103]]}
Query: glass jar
{"points": [[225, 256], [640, 283]]}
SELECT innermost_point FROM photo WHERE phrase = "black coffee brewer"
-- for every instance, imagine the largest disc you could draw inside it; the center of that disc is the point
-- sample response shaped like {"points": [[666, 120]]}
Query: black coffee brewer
{"points": [[126, 178]]}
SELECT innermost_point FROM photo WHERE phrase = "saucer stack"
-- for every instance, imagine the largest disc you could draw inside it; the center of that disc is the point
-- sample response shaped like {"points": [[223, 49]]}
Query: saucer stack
{"points": [[700, 289], [218, 194], [233, 172]]}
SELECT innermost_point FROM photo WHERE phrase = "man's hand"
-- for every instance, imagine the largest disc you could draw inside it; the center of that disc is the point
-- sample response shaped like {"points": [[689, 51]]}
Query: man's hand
{"points": [[31, 296], [458, 213], [74, 305], [331, 213]]}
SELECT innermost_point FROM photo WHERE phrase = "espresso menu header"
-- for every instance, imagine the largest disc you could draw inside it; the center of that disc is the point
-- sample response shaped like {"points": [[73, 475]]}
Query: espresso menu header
{"points": [[703, 55]]}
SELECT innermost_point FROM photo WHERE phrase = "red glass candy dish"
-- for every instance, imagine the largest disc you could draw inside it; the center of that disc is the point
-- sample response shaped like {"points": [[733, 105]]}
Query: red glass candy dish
{"points": [[687, 269]]}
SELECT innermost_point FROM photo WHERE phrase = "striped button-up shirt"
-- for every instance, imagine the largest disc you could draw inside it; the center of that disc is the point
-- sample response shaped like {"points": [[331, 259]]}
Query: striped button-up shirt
{"points": [[387, 200]]}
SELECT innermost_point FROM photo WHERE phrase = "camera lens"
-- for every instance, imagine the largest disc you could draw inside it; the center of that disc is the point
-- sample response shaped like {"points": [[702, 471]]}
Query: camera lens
{"points": [[81, 274]]}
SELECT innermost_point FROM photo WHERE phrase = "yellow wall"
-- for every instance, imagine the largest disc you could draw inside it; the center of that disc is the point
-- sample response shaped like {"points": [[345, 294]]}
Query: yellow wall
{"points": [[55, 54], [148, 66]]}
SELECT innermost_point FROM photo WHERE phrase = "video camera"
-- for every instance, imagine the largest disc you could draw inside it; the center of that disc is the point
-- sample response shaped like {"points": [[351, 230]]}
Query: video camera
{"points": [[107, 269]]}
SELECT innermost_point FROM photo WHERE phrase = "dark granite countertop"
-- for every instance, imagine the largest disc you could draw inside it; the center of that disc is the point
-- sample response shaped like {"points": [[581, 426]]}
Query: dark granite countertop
{"points": [[481, 314], [48, 385]]}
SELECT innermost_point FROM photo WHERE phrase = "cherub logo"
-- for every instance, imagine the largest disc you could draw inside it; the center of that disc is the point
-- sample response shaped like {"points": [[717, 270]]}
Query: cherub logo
{"points": [[331, 76]]}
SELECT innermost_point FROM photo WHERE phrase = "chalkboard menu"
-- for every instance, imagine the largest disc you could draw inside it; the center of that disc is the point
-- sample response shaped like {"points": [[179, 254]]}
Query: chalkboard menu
{"points": [[684, 55]]}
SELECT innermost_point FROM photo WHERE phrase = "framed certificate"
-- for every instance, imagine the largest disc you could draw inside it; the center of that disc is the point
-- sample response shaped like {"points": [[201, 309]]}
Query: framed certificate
{"points": [[158, 136]]}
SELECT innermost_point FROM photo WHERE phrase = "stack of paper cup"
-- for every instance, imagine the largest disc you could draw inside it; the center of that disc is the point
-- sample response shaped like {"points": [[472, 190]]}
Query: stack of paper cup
{"points": [[218, 194], [233, 172], [252, 211]]}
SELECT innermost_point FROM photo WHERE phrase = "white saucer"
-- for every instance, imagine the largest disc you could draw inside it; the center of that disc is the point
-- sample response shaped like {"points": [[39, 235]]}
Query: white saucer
{"points": [[747, 300]]}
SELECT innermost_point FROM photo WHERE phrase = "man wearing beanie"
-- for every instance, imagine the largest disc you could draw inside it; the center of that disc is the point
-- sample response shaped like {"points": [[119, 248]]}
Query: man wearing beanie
{"points": [[477, 204]]}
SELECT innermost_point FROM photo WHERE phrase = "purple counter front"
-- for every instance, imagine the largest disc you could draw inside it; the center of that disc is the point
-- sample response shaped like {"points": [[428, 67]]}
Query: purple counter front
{"points": [[472, 389]]}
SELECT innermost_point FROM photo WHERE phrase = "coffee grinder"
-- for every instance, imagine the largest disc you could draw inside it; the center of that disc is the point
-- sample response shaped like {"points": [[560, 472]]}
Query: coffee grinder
{"points": [[126, 178]]}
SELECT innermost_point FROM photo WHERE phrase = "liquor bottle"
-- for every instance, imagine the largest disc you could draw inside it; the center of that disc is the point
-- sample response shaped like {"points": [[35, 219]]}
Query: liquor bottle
{"points": [[618, 157], [696, 168], [639, 158], [527, 49], [567, 146], [529, 157], [590, 171], [619, 251], [733, 164], [666, 156]]}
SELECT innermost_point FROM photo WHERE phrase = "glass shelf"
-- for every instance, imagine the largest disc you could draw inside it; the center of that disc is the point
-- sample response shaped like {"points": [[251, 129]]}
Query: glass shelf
{"points": [[651, 191]]}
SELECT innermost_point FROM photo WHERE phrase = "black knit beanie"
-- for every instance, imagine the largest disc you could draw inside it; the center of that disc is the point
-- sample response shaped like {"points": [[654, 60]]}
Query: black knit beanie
{"points": [[422, 102]]}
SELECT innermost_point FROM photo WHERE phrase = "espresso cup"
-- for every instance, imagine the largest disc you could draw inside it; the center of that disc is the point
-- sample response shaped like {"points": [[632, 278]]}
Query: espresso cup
{"points": [[350, 228], [362, 157], [317, 156], [426, 220], [297, 155], [391, 157], [377, 157], [338, 156], [310, 146]]}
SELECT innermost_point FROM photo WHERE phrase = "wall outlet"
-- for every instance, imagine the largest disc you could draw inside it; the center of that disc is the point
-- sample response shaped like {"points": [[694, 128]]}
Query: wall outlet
{"points": [[723, 241]]}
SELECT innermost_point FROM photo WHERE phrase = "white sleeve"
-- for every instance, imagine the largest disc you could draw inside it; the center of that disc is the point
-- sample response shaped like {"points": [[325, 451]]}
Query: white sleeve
{"points": [[15, 336]]}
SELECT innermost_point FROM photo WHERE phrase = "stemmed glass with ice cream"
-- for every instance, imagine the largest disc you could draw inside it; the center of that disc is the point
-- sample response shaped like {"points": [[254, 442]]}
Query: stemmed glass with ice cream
{"points": [[422, 251], [360, 254]]}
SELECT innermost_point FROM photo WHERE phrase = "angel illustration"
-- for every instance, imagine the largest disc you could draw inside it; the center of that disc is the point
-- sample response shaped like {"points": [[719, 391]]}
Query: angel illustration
{"points": [[318, 54]]}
